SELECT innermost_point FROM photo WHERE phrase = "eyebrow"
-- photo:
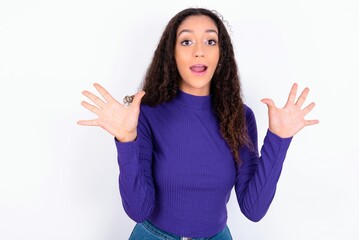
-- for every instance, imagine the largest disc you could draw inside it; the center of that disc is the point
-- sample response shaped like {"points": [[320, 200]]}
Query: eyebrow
{"points": [[190, 31]]}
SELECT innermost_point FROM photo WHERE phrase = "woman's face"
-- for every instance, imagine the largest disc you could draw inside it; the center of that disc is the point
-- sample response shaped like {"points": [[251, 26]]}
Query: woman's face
{"points": [[197, 54]]}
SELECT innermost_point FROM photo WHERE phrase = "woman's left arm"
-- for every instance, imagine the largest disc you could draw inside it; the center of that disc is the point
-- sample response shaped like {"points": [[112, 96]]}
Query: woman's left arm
{"points": [[258, 175]]}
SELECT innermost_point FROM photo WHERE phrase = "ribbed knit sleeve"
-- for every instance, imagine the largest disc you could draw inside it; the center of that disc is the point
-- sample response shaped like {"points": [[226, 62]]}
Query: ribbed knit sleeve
{"points": [[135, 178], [257, 176]]}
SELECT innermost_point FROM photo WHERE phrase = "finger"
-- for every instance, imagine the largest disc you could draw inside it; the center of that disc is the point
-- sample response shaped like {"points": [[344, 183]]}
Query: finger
{"points": [[105, 94], [92, 122], [311, 122], [91, 107], [292, 94], [308, 108], [137, 99], [98, 101], [302, 97]]}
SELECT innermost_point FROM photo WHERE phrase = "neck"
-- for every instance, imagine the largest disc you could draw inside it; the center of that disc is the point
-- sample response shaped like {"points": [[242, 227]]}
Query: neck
{"points": [[191, 101], [195, 91]]}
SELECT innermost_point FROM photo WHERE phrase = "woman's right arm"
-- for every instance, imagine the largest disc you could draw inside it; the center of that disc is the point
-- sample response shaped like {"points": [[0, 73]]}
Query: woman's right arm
{"points": [[135, 180], [134, 148]]}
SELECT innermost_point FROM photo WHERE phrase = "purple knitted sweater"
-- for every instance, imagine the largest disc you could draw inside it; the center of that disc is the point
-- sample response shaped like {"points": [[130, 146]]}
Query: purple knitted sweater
{"points": [[179, 172]]}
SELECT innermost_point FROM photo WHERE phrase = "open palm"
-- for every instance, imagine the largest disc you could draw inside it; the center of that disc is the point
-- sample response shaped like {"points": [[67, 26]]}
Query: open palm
{"points": [[116, 118], [289, 120]]}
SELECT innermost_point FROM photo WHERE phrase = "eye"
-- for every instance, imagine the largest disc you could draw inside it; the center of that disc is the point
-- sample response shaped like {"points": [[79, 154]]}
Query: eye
{"points": [[186, 42], [211, 42]]}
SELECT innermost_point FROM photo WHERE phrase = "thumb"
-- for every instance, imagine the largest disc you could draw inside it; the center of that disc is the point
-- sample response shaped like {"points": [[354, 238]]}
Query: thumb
{"points": [[268, 102], [137, 99]]}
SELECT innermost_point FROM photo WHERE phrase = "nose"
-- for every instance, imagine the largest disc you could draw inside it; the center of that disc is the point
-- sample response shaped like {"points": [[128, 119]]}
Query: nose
{"points": [[199, 52]]}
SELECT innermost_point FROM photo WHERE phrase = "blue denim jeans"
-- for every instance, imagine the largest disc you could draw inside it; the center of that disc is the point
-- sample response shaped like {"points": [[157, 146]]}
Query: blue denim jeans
{"points": [[146, 231]]}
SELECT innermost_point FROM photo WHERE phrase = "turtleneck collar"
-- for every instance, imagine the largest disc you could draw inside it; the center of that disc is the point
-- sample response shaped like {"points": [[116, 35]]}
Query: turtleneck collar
{"points": [[193, 102]]}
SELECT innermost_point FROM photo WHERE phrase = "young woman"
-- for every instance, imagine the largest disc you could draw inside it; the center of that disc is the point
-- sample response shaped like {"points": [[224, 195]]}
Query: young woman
{"points": [[187, 138]]}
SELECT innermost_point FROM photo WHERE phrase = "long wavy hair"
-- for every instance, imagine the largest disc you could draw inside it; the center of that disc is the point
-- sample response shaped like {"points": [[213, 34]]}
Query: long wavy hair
{"points": [[161, 81]]}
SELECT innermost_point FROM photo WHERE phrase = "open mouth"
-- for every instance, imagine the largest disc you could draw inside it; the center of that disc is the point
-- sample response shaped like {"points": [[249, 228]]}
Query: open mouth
{"points": [[198, 68]]}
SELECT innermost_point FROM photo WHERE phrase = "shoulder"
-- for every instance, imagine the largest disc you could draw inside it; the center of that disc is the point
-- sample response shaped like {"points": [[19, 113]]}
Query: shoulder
{"points": [[147, 118], [154, 113], [250, 117], [248, 111], [147, 109]]}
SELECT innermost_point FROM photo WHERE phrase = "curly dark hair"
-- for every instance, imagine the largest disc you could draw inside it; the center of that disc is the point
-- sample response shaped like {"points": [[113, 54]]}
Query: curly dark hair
{"points": [[161, 81]]}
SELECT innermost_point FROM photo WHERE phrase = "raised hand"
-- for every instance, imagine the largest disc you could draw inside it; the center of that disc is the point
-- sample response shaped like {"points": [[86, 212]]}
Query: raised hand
{"points": [[116, 118], [289, 120]]}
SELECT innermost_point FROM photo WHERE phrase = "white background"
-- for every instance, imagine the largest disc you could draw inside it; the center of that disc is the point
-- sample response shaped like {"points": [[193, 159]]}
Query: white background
{"points": [[58, 180]]}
